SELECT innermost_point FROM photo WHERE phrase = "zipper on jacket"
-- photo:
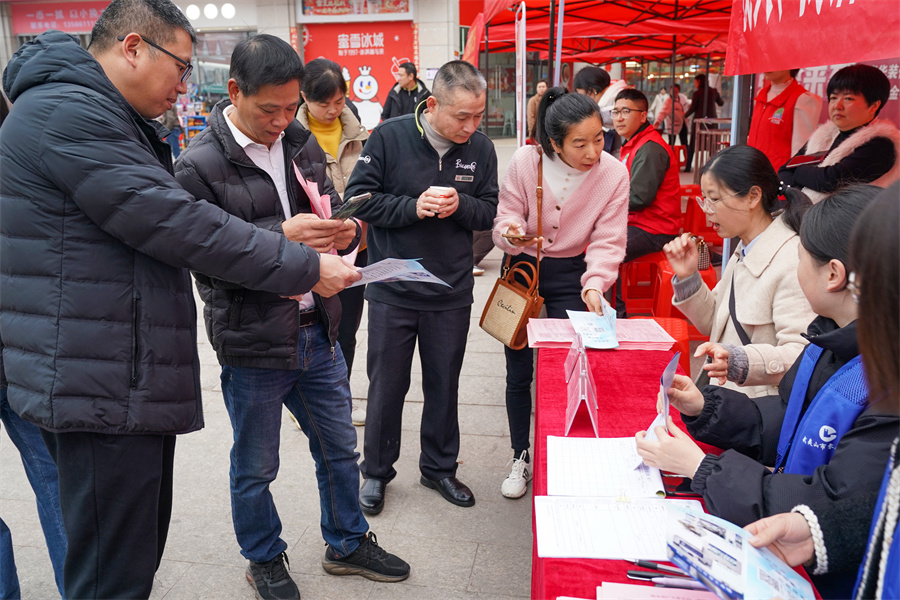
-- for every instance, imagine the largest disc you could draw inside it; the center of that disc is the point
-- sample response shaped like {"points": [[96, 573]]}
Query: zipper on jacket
{"points": [[135, 329], [440, 163]]}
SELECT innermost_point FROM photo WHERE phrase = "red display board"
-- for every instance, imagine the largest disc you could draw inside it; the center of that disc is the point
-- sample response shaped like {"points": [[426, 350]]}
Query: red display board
{"points": [[369, 54], [71, 17]]}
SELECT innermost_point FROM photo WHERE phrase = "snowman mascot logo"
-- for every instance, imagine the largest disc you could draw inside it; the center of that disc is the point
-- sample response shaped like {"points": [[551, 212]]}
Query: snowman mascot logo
{"points": [[365, 88]]}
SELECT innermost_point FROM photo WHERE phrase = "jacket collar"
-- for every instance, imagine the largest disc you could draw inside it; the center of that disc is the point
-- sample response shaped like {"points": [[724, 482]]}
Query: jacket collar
{"points": [[825, 333], [295, 136], [766, 247]]}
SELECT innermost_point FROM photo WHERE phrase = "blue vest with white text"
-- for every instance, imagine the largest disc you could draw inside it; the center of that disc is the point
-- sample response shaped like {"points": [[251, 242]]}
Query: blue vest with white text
{"points": [[830, 415]]}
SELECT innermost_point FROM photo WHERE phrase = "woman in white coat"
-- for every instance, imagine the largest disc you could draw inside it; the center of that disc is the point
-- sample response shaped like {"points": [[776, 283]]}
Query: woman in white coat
{"points": [[756, 315]]}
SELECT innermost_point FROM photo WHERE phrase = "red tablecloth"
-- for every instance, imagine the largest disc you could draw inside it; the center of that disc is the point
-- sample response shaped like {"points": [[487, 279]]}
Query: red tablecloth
{"points": [[627, 384]]}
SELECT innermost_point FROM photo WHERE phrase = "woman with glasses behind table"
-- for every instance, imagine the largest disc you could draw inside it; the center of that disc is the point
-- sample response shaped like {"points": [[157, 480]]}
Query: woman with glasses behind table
{"points": [[756, 315], [820, 433]]}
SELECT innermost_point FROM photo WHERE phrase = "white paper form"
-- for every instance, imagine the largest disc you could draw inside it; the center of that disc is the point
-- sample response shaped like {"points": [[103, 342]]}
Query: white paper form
{"points": [[599, 467], [602, 528], [397, 269], [596, 331]]}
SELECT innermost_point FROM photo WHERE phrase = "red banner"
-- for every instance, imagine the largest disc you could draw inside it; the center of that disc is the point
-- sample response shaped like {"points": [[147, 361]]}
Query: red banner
{"points": [[767, 35], [369, 53], [71, 17]]}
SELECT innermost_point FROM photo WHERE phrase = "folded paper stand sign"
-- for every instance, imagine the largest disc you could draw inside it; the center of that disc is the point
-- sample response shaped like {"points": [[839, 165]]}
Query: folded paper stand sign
{"points": [[512, 303]]}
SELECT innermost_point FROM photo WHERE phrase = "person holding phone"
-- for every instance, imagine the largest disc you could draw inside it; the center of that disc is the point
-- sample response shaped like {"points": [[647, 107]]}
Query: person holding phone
{"points": [[278, 352], [585, 215]]}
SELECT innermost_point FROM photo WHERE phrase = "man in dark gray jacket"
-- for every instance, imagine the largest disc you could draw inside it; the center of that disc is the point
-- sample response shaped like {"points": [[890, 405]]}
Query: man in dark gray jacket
{"points": [[96, 306], [272, 354], [409, 219]]}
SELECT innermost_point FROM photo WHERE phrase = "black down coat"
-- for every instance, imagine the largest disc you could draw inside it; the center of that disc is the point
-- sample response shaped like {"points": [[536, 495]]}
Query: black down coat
{"points": [[96, 238], [247, 328]]}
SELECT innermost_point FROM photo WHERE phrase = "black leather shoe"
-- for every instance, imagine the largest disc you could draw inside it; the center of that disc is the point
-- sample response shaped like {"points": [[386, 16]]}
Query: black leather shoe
{"points": [[452, 489], [371, 496]]}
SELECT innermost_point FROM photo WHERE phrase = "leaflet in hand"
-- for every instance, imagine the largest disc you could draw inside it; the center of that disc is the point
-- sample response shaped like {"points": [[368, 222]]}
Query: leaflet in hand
{"points": [[596, 331], [718, 554], [665, 382], [397, 269]]}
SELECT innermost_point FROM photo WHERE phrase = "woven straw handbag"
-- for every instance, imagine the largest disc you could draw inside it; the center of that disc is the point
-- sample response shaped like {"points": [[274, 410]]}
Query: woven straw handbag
{"points": [[512, 302]]}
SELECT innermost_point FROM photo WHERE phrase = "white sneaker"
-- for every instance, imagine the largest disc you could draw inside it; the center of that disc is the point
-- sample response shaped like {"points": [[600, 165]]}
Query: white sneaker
{"points": [[515, 485], [358, 416]]}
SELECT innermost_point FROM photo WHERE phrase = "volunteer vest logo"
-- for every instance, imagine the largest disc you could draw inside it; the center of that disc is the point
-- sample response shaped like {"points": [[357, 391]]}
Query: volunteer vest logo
{"points": [[827, 434], [777, 117], [467, 167]]}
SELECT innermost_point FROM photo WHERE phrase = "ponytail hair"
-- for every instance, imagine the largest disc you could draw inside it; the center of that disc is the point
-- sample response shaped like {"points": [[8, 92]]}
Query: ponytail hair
{"points": [[558, 111], [742, 167]]}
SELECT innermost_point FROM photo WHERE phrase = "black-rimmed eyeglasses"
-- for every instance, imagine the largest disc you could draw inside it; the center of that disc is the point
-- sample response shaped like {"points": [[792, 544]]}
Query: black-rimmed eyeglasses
{"points": [[188, 67]]}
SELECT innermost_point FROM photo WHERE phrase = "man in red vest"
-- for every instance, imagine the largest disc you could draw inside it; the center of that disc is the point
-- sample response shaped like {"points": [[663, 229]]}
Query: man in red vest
{"points": [[784, 116], [654, 203]]}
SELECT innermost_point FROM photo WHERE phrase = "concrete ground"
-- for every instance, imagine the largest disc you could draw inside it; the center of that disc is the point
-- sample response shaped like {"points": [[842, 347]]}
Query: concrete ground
{"points": [[455, 553]]}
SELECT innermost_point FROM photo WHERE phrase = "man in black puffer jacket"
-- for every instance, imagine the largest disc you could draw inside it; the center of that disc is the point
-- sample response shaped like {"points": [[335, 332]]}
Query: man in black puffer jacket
{"points": [[272, 354], [96, 306]]}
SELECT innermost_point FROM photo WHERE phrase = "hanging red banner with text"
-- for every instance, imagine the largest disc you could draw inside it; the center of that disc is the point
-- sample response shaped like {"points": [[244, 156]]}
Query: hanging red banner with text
{"points": [[767, 35]]}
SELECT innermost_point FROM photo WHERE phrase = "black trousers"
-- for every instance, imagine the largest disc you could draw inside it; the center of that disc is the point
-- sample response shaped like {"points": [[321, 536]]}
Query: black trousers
{"points": [[393, 333], [560, 287], [639, 243], [115, 492], [352, 302]]}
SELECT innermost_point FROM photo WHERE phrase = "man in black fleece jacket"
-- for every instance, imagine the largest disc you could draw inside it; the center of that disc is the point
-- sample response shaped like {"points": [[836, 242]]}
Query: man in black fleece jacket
{"points": [[439, 146]]}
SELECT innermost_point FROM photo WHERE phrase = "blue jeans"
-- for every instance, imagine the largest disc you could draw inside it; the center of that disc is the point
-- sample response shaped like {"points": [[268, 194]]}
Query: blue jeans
{"points": [[41, 472], [318, 395]]}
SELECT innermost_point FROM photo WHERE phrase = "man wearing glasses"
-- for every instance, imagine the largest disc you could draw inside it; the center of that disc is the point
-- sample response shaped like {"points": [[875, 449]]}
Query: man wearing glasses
{"points": [[96, 305], [654, 203]]}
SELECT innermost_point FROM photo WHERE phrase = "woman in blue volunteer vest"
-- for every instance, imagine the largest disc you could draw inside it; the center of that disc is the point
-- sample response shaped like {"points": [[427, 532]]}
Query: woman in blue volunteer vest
{"points": [[846, 535], [818, 435]]}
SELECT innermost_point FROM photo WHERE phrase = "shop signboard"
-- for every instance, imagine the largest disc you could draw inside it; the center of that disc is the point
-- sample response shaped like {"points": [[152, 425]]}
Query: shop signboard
{"points": [[71, 17], [354, 7], [369, 55]]}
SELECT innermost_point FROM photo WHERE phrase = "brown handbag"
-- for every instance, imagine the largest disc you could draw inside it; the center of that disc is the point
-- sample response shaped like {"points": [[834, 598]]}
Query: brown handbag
{"points": [[511, 304]]}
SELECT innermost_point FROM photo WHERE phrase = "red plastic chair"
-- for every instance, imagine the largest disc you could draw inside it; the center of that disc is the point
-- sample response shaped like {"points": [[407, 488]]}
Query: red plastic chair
{"points": [[678, 329], [663, 294], [638, 283]]}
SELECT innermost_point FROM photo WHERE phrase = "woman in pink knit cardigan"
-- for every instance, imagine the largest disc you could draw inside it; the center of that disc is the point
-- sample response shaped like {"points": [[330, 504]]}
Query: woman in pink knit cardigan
{"points": [[585, 214]]}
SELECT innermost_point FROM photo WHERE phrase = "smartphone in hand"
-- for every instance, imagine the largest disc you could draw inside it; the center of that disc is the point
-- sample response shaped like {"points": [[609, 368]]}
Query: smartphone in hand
{"points": [[350, 206], [524, 237]]}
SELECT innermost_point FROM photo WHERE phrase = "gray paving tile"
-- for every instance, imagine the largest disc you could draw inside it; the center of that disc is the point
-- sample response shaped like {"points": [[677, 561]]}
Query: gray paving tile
{"points": [[211, 581], [169, 574], [498, 569]]}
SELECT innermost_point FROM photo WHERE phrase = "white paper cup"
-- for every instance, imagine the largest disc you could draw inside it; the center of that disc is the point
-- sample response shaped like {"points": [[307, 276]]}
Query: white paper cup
{"points": [[443, 192]]}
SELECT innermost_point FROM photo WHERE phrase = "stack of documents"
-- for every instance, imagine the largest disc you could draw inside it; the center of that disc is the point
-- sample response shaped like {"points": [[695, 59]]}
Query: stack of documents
{"points": [[632, 334], [599, 505]]}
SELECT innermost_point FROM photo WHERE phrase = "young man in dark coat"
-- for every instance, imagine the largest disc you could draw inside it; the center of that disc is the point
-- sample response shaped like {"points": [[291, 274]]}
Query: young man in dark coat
{"points": [[96, 305], [272, 354], [406, 95]]}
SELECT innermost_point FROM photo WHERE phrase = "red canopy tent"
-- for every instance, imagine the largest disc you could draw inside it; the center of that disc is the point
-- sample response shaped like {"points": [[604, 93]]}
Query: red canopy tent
{"points": [[595, 28]]}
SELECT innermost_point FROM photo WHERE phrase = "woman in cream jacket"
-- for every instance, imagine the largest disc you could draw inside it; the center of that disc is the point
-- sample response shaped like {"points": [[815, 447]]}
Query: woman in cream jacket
{"points": [[740, 196]]}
